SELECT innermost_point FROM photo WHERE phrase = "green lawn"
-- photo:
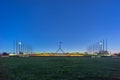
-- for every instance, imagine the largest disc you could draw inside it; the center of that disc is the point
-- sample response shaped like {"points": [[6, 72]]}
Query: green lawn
{"points": [[59, 68]]}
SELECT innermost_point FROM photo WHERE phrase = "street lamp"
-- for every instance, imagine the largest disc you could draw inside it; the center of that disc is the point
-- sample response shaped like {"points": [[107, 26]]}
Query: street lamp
{"points": [[19, 47], [100, 44]]}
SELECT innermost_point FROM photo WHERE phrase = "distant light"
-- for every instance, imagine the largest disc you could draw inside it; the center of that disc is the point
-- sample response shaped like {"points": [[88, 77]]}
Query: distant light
{"points": [[100, 43], [12, 54], [19, 43]]}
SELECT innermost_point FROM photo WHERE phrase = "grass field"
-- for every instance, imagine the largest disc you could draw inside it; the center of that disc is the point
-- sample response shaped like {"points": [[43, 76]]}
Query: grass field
{"points": [[59, 68]]}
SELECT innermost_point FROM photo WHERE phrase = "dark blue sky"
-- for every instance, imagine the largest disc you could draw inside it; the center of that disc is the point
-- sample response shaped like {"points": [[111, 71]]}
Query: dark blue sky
{"points": [[43, 23]]}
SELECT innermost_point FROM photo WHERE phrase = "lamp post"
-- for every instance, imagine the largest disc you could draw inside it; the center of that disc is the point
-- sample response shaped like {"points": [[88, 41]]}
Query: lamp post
{"points": [[100, 44], [19, 47]]}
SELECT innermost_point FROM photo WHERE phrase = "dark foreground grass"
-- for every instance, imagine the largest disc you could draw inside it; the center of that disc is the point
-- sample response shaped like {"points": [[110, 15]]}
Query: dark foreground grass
{"points": [[60, 68]]}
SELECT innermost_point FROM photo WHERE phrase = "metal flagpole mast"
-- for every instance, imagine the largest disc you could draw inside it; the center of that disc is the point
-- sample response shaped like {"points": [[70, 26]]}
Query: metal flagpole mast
{"points": [[60, 48]]}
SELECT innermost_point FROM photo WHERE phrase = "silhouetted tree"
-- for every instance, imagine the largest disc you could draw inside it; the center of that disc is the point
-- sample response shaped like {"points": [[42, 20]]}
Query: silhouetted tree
{"points": [[20, 52], [5, 54]]}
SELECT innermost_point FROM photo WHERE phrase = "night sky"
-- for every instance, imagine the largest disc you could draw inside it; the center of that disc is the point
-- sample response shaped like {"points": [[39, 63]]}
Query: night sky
{"points": [[43, 23]]}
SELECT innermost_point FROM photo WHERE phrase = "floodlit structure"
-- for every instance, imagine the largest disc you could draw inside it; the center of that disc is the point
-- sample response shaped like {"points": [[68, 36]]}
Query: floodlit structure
{"points": [[21, 48], [99, 47]]}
